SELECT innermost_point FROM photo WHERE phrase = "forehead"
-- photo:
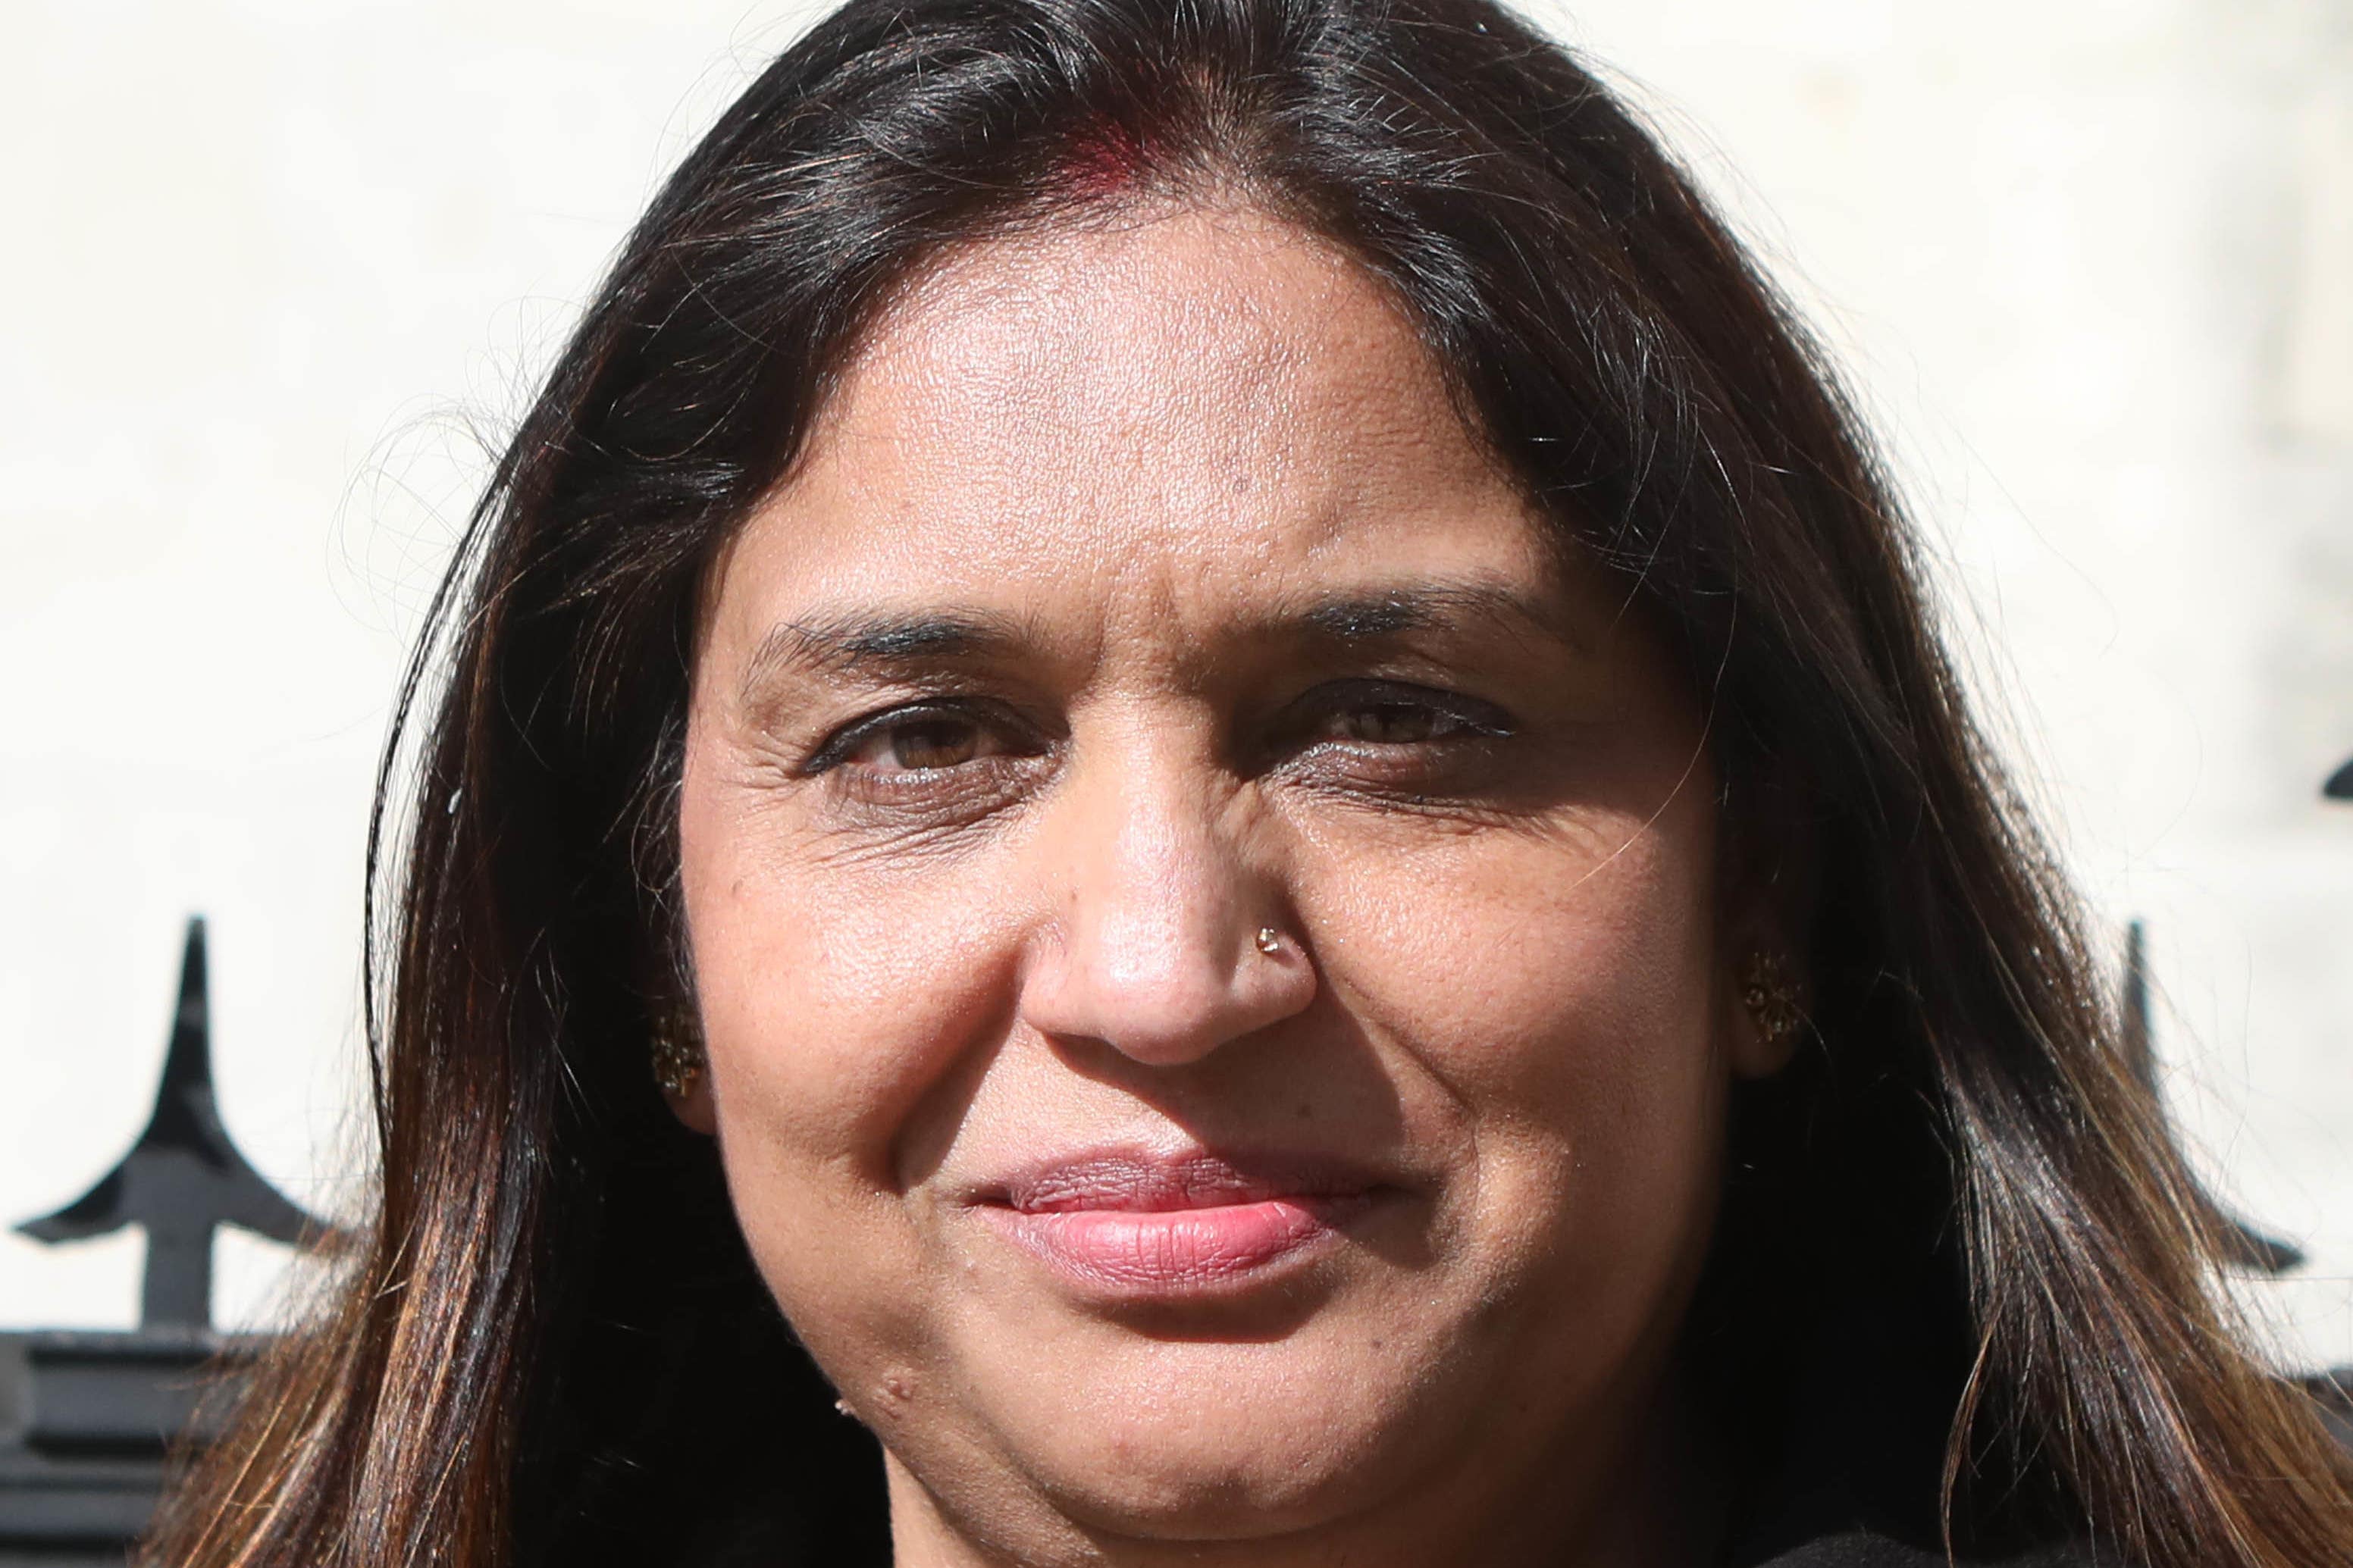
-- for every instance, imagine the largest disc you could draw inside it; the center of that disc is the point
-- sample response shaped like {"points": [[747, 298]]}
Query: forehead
{"points": [[1166, 411]]}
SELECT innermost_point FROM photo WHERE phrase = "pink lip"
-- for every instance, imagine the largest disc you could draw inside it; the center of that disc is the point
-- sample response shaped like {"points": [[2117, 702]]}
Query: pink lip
{"points": [[1133, 1225]]}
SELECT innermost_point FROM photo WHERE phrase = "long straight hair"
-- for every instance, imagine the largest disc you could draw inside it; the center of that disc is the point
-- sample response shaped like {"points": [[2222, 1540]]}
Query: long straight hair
{"points": [[550, 1347]]}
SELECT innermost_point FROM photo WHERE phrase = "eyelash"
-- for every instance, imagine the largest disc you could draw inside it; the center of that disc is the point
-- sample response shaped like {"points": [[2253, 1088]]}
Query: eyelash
{"points": [[1451, 717], [984, 719], [1454, 718]]}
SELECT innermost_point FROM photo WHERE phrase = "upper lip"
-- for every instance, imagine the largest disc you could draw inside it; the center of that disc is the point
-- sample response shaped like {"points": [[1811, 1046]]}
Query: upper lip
{"points": [[1150, 1182]]}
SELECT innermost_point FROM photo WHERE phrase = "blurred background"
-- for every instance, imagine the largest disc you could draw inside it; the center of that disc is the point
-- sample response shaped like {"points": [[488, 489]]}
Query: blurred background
{"points": [[279, 274]]}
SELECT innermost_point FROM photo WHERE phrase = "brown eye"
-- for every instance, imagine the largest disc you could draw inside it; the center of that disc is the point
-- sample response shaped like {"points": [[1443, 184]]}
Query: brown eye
{"points": [[922, 744], [928, 738], [1416, 721], [1392, 723]]}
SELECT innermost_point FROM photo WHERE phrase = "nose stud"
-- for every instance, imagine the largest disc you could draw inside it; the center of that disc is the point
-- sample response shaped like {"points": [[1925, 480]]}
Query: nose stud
{"points": [[1270, 941]]}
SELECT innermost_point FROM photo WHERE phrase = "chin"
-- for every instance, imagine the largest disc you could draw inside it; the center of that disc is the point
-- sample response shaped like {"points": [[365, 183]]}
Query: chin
{"points": [[1214, 1475], [1219, 1439]]}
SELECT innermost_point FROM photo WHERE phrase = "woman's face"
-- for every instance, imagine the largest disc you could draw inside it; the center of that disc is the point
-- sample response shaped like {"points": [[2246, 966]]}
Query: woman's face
{"points": [[1141, 593]]}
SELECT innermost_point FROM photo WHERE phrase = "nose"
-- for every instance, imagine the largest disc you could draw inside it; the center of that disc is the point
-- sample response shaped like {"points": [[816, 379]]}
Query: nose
{"points": [[1160, 951]]}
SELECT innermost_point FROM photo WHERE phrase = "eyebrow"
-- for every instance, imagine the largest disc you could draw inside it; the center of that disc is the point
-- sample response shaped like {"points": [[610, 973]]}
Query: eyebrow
{"points": [[871, 642], [1435, 605], [862, 642]]}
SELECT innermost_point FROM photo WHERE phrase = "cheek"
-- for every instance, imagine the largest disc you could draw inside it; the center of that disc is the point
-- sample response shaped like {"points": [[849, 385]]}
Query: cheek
{"points": [[1558, 992], [832, 995], [840, 1006]]}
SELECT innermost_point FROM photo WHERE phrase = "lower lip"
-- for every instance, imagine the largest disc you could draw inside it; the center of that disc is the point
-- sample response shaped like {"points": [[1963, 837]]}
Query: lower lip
{"points": [[1177, 1251]]}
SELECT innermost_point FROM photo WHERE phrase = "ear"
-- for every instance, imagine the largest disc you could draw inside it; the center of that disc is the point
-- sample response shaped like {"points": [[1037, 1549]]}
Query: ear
{"points": [[1768, 871], [675, 1045], [1763, 1008], [695, 1109], [680, 1059]]}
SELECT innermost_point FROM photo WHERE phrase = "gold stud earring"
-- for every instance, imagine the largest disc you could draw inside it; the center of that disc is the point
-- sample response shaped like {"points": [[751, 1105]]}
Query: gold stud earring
{"points": [[1270, 941], [676, 1052], [1771, 1000]]}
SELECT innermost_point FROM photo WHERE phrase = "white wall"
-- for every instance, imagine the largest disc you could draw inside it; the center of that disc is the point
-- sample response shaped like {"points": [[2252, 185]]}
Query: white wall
{"points": [[2091, 262]]}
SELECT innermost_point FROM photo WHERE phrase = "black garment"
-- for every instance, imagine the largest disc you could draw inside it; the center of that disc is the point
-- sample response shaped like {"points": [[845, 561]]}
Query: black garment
{"points": [[1867, 1551]]}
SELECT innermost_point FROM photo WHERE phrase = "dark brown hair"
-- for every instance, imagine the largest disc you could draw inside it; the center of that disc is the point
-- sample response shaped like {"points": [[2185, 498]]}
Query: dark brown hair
{"points": [[550, 1348]]}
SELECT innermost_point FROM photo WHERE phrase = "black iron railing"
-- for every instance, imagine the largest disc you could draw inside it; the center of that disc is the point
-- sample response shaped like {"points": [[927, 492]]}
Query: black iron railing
{"points": [[87, 1419]]}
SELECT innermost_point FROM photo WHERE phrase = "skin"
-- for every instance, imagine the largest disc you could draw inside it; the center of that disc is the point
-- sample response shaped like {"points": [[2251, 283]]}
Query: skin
{"points": [[1016, 911]]}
